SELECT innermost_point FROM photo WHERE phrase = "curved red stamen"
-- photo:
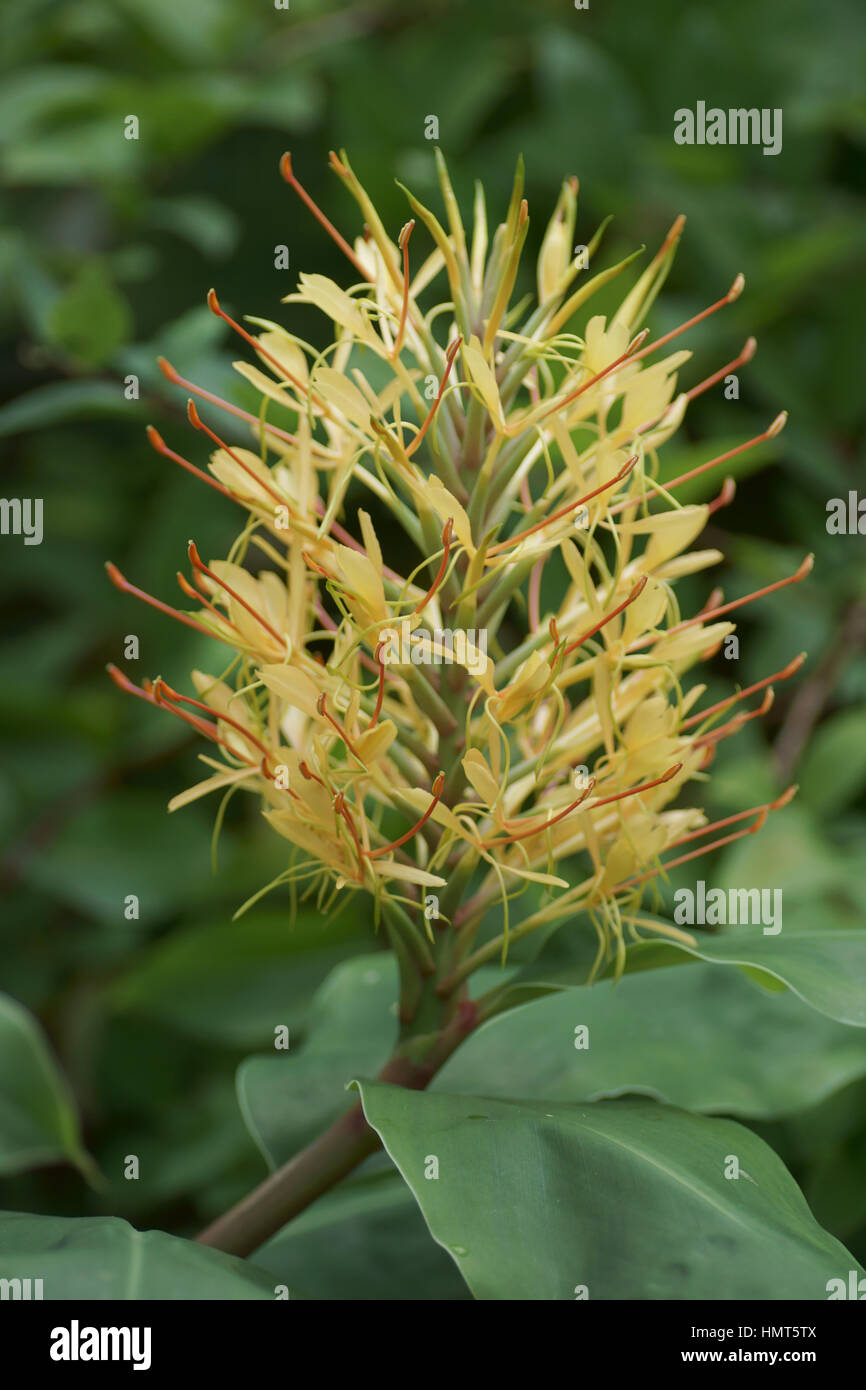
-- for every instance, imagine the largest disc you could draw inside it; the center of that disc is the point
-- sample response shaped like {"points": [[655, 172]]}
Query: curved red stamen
{"points": [[381, 692], [447, 534], [563, 511], [288, 174], [158, 443], [449, 361], [783, 675], [800, 573], [122, 583], [579, 641], [436, 789], [198, 423], [199, 564]]}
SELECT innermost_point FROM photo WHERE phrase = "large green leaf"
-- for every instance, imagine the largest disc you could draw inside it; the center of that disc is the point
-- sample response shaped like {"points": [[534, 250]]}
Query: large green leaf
{"points": [[365, 1240], [105, 1258], [704, 1039], [234, 982], [623, 1198], [826, 968], [288, 1098], [38, 1122]]}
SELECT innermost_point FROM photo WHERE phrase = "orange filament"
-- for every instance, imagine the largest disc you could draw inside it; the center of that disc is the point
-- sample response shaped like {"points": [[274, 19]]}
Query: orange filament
{"points": [[199, 564], [437, 789], [199, 424], [734, 725], [599, 376], [176, 379], [783, 675], [725, 497], [321, 707], [733, 293], [289, 175], [447, 533], [381, 692], [542, 825], [342, 810], [162, 690], [563, 511], [762, 813], [800, 573], [186, 588], [157, 442], [449, 360], [123, 584], [635, 593]]}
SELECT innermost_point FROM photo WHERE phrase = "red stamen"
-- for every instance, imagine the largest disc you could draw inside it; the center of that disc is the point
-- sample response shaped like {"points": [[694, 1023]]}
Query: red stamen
{"points": [[199, 564], [437, 789], [381, 693], [447, 533], [342, 810], [175, 695], [123, 584], [322, 708], [740, 360], [763, 811], [599, 376], [289, 175], [734, 725], [214, 305], [542, 825], [725, 497], [731, 820], [197, 422], [579, 641], [733, 293], [190, 592], [449, 360], [563, 511], [769, 433], [783, 675], [177, 380], [158, 443], [795, 578]]}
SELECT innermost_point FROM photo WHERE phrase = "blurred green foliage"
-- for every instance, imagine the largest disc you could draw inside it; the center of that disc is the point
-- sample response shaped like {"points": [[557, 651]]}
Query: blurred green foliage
{"points": [[107, 250]]}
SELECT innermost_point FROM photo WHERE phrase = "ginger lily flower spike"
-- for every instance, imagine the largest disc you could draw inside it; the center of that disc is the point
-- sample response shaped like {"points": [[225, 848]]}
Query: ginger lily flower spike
{"points": [[434, 739]]}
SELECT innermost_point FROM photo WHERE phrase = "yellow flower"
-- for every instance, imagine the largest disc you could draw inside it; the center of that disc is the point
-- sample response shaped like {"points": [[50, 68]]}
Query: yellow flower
{"points": [[543, 747]]}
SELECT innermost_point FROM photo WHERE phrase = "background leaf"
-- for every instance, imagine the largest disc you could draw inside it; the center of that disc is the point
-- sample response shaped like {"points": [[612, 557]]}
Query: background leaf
{"points": [[627, 1198], [104, 1258], [38, 1123]]}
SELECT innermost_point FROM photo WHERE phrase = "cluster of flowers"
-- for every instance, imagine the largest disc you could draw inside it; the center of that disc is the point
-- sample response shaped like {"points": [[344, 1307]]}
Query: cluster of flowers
{"points": [[484, 444]]}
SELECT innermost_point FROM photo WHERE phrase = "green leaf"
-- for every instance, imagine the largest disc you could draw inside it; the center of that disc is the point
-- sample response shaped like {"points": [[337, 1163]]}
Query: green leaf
{"points": [[234, 982], [287, 1099], [105, 1258], [38, 1122], [91, 318], [364, 1240], [63, 401], [826, 968], [703, 1039], [625, 1198], [834, 769]]}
